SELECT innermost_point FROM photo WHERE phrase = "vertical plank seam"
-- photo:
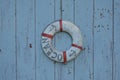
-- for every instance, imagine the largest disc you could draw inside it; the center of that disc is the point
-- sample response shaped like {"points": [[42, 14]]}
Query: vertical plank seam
{"points": [[74, 22], [61, 16], [16, 37], [35, 34], [54, 9], [93, 35], [61, 9], [54, 43], [113, 40]]}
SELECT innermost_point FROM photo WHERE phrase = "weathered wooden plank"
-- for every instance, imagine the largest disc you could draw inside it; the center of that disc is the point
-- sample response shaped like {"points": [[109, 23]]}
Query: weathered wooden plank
{"points": [[63, 41], [44, 16], [57, 9], [116, 54], [57, 16], [25, 29], [84, 20], [7, 40], [103, 40]]}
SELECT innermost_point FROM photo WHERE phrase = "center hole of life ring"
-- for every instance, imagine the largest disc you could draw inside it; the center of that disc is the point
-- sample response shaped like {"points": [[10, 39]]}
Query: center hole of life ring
{"points": [[62, 41]]}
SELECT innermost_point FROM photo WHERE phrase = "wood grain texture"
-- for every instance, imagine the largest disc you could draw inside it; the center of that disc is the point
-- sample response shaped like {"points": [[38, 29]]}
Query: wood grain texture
{"points": [[116, 52], [84, 20], [44, 16], [57, 16], [63, 41], [25, 29], [7, 40], [103, 39]]}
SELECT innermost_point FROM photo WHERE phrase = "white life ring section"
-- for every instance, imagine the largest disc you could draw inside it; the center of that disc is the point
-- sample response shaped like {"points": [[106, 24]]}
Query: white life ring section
{"points": [[61, 26]]}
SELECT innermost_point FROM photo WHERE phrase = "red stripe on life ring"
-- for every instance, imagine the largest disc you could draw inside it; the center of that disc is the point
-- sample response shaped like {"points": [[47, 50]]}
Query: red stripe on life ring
{"points": [[47, 35], [64, 56], [80, 47], [60, 22]]}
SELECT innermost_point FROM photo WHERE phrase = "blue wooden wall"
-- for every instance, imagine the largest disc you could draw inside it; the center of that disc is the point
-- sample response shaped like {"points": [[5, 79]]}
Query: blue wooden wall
{"points": [[21, 25]]}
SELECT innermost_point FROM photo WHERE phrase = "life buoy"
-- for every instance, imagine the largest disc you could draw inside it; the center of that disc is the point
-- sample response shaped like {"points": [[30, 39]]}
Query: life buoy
{"points": [[60, 26]]}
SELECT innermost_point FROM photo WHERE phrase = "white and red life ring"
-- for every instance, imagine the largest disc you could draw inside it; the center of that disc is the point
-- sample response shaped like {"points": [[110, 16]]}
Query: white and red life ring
{"points": [[60, 26]]}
